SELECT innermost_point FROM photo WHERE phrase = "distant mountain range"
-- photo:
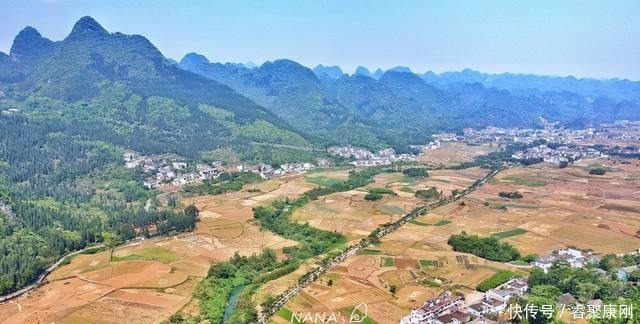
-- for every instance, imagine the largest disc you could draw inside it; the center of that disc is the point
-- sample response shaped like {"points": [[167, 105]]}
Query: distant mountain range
{"points": [[121, 89]]}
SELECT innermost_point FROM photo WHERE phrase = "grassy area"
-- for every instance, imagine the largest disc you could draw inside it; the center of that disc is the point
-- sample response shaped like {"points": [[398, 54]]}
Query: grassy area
{"points": [[387, 262], [287, 315], [356, 316], [321, 180], [406, 189], [426, 263], [438, 223], [496, 280], [509, 233], [369, 252], [382, 191], [158, 253]]}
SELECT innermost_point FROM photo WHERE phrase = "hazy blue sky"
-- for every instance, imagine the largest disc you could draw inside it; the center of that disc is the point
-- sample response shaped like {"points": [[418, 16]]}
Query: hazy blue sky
{"points": [[582, 38]]}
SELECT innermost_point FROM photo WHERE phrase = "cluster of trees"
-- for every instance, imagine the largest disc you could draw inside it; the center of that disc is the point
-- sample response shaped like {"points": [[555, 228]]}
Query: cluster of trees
{"points": [[224, 183], [373, 196], [510, 194], [378, 193], [485, 247], [240, 271], [597, 171], [416, 172], [251, 272], [587, 283]]}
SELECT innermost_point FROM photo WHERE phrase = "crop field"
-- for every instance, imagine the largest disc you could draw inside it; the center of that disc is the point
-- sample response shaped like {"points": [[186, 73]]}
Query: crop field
{"points": [[350, 214], [559, 208], [453, 153], [147, 281]]}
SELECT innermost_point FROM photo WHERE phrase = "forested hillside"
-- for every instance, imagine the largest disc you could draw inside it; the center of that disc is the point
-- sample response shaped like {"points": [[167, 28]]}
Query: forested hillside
{"points": [[69, 108], [66, 192]]}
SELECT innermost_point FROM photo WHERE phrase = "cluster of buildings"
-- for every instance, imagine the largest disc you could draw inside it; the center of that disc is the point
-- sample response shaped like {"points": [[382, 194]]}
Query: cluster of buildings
{"points": [[563, 146], [169, 169], [449, 308], [562, 155], [267, 170], [576, 258], [495, 300], [364, 157], [174, 170]]}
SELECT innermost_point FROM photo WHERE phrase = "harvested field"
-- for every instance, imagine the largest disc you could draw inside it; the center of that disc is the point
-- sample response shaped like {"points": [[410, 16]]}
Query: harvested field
{"points": [[559, 208], [148, 280], [453, 153], [350, 214]]}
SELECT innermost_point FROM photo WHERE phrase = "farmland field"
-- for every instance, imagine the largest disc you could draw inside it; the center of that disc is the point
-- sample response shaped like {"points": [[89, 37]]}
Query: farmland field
{"points": [[559, 208]]}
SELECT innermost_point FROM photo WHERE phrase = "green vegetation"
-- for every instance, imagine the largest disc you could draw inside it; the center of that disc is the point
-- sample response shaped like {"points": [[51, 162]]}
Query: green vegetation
{"points": [[226, 182], [509, 233], [69, 193], [426, 263], [485, 247], [441, 222], [510, 194], [252, 272], [287, 315], [597, 171], [382, 191], [495, 280], [373, 196], [387, 262], [415, 172], [322, 180], [369, 252], [406, 189], [427, 194], [158, 253], [587, 283], [349, 311], [214, 291], [523, 181]]}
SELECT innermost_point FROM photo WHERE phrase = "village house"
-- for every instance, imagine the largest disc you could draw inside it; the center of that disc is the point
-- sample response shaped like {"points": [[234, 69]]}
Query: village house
{"points": [[443, 304], [495, 300], [575, 258], [455, 317]]}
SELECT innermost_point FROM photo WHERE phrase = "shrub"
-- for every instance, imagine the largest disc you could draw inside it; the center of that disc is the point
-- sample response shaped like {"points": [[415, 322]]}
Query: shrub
{"points": [[373, 196], [416, 172], [510, 194]]}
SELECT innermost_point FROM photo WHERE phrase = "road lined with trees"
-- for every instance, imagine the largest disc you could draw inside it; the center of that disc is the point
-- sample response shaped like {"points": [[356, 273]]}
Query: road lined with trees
{"points": [[269, 310]]}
